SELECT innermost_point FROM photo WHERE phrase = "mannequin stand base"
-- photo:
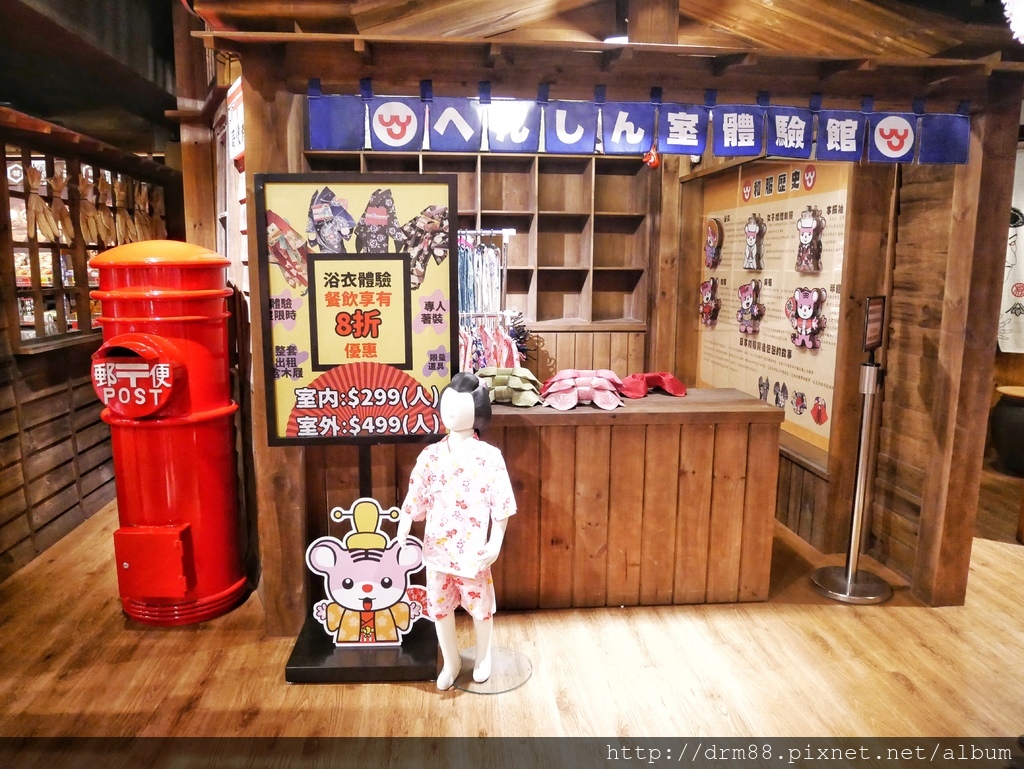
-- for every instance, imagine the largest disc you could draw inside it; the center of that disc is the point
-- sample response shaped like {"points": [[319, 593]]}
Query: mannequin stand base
{"points": [[315, 658], [866, 587], [510, 669]]}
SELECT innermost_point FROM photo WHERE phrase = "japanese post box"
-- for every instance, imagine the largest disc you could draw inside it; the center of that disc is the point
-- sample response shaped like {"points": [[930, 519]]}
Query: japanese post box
{"points": [[162, 373]]}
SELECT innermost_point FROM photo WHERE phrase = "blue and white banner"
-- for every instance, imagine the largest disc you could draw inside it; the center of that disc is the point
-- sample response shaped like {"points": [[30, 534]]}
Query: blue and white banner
{"points": [[738, 130], [682, 129], [892, 137], [840, 135], [456, 125], [396, 124], [627, 128], [790, 132], [945, 139], [570, 127], [336, 122], [513, 125]]}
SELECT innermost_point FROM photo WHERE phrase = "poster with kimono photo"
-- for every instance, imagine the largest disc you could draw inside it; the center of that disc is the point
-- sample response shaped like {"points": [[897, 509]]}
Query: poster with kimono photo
{"points": [[358, 304]]}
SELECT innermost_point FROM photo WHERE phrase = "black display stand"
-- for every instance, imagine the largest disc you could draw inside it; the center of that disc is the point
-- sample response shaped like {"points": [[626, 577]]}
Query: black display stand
{"points": [[316, 659]]}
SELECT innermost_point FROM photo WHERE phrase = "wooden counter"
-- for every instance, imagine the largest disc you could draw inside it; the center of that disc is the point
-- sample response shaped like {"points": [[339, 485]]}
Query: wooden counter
{"points": [[663, 501]]}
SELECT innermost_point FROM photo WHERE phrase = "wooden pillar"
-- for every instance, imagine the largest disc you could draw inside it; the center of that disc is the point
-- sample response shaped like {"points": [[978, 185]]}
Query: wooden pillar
{"points": [[664, 259], [864, 275], [273, 131], [653, 21], [970, 310], [197, 150], [690, 246]]}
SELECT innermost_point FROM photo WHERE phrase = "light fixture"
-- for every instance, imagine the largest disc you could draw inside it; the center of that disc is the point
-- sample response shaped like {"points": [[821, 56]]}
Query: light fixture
{"points": [[1014, 10], [621, 23]]}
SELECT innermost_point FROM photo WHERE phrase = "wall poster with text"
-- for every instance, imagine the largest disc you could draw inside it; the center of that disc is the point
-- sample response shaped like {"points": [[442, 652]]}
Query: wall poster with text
{"points": [[774, 234], [358, 295]]}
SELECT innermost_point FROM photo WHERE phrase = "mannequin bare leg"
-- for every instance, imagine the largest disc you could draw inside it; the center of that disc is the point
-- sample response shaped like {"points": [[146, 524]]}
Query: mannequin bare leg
{"points": [[451, 662], [482, 665]]}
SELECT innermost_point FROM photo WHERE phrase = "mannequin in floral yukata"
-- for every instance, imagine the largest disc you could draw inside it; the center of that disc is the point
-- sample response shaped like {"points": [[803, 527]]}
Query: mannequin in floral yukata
{"points": [[458, 486]]}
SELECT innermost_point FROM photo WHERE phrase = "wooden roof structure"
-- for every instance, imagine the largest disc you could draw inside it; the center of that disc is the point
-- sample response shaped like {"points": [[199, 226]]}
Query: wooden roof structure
{"points": [[891, 50]]}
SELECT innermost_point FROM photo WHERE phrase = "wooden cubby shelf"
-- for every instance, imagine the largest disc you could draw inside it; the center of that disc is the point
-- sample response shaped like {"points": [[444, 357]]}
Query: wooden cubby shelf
{"points": [[583, 224]]}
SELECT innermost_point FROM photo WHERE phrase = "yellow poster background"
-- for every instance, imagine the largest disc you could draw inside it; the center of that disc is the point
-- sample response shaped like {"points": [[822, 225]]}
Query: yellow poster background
{"points": [[291, 358], [747, 362]]}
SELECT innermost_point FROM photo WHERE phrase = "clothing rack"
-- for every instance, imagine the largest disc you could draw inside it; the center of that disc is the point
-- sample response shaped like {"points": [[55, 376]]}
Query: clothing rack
{"points": [[489, 334], [506, 234]]}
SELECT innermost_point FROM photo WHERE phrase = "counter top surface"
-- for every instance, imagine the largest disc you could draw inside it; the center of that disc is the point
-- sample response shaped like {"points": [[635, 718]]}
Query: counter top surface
{"points": [[699, 405]]}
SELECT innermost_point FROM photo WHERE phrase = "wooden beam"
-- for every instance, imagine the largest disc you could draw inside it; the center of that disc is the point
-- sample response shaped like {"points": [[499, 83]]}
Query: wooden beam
{"points": [[609, 58], [493, 54], [970, 312], [722, 64], [443, 18], [829, 69], [365, 51], [653, 21]]}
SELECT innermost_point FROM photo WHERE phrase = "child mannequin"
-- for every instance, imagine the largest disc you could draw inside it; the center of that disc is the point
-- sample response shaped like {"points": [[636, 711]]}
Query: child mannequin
{"points": [[458, 485]]}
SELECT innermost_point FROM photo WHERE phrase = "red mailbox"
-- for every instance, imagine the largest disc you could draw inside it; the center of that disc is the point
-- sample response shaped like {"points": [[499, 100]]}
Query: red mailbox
{"points": [[162, 373]]}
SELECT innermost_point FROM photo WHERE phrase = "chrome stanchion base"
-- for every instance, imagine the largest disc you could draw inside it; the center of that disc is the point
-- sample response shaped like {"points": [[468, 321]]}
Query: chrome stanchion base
{"points": [[866, 587]]}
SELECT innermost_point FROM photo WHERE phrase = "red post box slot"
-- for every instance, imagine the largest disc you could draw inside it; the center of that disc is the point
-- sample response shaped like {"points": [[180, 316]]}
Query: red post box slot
{"points": [[136, 375]]}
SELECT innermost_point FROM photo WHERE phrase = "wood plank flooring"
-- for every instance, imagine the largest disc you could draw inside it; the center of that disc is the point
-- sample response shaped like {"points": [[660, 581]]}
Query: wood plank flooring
{"points": [[798, 665]]}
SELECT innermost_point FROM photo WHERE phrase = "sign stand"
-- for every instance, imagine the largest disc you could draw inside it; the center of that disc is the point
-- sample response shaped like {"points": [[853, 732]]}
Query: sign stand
{"points": [[850, 585], [316, 659]]}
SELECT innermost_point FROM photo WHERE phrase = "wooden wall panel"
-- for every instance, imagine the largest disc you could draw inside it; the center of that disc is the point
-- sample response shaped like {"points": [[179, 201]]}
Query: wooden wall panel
{"points": [[590, 549], [557, 527], [658, 533], [626, 500], [726, 535], [522, 547], [907, 434], [756, 542], [624, 352], [802, 502], [982, 192], [696, 463], [56, 465]]}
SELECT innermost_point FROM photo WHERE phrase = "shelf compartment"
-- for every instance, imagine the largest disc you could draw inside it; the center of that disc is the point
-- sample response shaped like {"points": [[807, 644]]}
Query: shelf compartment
{"points": [[387, 162], [562, 294], [618, 295], [564, 185], [519, 244], [621, 185], [465, 167], [350, 163], [508, 183], [519, 292], [563, 240], [620, 240]]}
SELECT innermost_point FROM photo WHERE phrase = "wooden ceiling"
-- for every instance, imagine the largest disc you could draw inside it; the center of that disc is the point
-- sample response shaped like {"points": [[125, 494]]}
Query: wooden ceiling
{"points": [[792, 48], [853, 28]]}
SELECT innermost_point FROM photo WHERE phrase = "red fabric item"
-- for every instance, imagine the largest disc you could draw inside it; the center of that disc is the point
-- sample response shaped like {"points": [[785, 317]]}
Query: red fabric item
{"points": [[638, 385]]}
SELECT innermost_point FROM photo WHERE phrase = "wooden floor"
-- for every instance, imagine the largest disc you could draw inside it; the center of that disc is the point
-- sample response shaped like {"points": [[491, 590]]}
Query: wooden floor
{"points": [[71, 664]]}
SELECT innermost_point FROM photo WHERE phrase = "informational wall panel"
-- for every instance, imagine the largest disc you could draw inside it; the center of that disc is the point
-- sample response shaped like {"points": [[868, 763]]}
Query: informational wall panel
{"points": [[770, 286]]}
